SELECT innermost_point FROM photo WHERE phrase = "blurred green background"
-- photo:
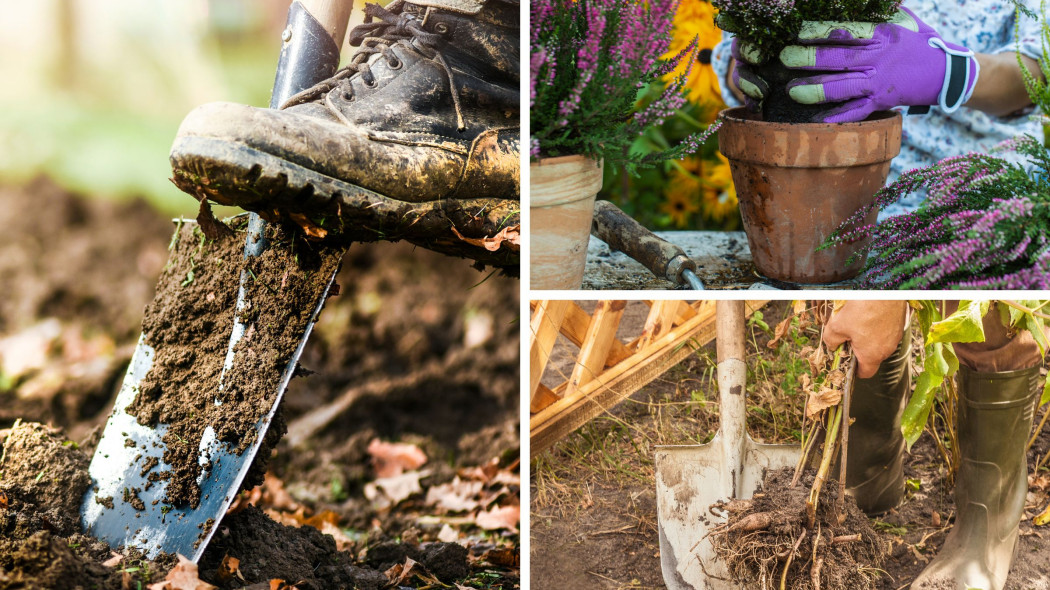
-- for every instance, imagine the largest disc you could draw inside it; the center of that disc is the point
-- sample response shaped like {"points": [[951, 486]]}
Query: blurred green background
{"points": [[94, 90]]}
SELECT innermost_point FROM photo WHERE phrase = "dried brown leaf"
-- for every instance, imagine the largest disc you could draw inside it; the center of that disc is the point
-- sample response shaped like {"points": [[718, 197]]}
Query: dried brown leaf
{"points": [[779, 332], [819, 401], [500, 517], [229, 568], [311, 229], [114, 559], [816, 358], [508, 235], [182, 577], [213, 228], [503, 556], [455, 496], [391, 459], [387, 492]]}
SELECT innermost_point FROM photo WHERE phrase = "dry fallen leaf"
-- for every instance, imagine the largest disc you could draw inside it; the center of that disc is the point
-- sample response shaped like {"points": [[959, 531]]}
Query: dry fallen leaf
{"points": [[447, 534], [779, 332], [508, 235], [114, 559], [500, 517], [455, 496], [391, 459], [3, 499], [28, 350], [230, 568], [825, 398], [387, 492], [277, 584], [503, 556], [182, 577], [311, 229]]}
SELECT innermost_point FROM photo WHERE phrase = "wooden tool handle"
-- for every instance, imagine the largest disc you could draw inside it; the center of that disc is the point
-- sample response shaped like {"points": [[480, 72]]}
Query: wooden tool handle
{"points": [[334, 16], [623, 233]]}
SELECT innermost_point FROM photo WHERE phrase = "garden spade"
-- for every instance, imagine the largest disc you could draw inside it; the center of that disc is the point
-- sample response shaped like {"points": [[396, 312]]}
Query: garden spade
{"points": [[690, 479], [309, 54]]}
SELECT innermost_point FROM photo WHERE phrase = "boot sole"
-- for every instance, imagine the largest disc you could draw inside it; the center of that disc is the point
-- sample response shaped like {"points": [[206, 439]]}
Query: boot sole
{"points": [[231, 173]]}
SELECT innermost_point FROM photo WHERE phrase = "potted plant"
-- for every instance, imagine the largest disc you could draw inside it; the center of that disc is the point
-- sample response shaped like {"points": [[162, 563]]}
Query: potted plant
{"points": [[985, 222], [590, 61], [797, 181]]}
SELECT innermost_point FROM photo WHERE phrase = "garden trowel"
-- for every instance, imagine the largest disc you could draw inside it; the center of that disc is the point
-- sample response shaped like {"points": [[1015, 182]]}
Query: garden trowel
{"points": [[662, 258], [309, 54], [692, 479]]}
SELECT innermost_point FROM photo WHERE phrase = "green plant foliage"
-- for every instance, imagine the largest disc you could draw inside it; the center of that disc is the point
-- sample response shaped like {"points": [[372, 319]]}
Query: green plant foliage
{"points": [[965, 325]]}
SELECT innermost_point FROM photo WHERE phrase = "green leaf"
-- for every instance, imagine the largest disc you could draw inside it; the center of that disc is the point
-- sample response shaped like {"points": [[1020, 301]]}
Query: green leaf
{"points": [[1035, 326], [965, 325], [1046, 394], [940, 363]]}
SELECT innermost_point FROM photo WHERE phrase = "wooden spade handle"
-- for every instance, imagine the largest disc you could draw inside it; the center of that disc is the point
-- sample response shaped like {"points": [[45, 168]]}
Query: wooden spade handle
{"points": [[334, 16]]}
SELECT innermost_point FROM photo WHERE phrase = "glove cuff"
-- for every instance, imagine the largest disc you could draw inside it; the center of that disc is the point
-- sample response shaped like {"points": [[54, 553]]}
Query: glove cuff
{"points": [[960, 75]]}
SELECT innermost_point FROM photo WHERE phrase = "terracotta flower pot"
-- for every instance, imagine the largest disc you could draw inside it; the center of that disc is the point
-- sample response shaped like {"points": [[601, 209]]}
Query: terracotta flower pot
{"points": [[797, 182], [561, 204]]}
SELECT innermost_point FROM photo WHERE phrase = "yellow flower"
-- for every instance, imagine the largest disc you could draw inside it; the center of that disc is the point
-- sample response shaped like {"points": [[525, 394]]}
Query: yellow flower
{"points": [[683, 197], [719, 192], [695, 18]]}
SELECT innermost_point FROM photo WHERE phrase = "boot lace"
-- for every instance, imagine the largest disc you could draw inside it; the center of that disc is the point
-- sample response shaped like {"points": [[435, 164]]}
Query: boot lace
{"points": [[377, 36]]}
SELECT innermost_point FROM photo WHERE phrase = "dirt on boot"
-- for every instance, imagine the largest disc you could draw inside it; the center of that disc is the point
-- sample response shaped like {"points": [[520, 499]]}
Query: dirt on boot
{"points": [[189, 324], [762, 533]]}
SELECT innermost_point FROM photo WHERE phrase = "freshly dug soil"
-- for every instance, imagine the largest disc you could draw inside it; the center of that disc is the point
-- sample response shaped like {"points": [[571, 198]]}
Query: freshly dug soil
{"points": [[402, 309], [189, 324], [43, 478], [755, 555]]}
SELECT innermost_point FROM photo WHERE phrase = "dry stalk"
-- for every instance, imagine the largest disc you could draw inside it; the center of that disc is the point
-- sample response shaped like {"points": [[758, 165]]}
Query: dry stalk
{"points": [[790, 558], [818, 562], [807, 450], [1038, 429], [840, 501], [830, 444]]}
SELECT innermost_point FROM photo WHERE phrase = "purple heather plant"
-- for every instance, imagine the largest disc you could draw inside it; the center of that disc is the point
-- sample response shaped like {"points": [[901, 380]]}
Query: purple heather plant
{"points": [[985, 224], [590, 62]]}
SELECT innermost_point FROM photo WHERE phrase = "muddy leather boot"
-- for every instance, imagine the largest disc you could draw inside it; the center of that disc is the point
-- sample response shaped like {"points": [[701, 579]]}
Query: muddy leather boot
{"points": [[875, 460], [995, 418], [417, 138]]}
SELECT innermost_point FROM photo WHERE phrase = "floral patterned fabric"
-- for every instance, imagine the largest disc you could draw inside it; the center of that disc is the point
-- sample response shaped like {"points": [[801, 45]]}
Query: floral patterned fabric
{"points": [[984, 26]]}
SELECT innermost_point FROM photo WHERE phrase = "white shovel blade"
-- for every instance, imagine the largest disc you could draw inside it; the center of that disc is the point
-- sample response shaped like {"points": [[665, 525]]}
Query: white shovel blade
{"points": [[689, 480]]}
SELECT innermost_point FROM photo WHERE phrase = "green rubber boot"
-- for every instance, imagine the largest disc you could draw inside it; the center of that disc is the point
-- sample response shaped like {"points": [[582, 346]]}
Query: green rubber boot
{"points": [[995, 418], [875, 460]]}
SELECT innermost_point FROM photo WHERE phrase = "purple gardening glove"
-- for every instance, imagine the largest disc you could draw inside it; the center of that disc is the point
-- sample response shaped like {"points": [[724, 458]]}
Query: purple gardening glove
{"points": [[903, 62], [745, 78]]}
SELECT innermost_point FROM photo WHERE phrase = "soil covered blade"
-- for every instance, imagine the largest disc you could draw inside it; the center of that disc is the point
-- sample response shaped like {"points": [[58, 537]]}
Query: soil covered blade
{"points": [[188, 420]]}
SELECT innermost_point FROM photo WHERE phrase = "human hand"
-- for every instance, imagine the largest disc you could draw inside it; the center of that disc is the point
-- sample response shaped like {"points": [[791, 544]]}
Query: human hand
{"points": [[744, 76], [873, 328], [903, 62]]}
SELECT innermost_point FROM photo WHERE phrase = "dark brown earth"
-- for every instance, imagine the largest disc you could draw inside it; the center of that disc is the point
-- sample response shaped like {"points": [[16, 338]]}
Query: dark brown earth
{"points": [[754, 555], [593, 495], [403, 312], [189, 324]]}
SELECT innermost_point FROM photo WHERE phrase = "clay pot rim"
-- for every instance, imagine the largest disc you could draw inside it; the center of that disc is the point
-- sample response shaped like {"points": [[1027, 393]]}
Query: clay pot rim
{"points": [[555, 160], [740, 115]]}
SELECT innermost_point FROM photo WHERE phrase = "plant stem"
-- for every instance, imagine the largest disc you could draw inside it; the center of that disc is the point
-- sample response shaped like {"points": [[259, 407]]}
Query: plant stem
{"points": [[1039, 429], [791, 557], [1016, 305], [847, 393], [834, 419]]}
